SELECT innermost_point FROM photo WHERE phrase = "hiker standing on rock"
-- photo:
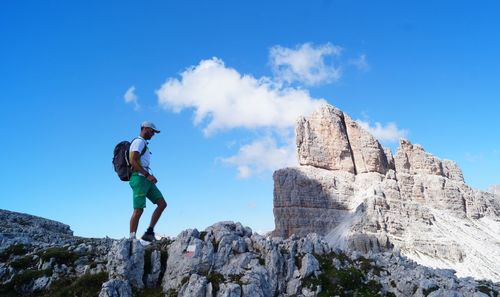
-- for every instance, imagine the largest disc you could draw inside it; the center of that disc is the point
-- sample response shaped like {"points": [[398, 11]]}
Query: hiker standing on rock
{"points": [[143, 183]]}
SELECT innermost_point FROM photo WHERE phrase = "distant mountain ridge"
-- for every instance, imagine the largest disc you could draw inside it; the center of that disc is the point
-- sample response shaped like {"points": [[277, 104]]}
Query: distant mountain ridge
{"points": [[361, 197]]}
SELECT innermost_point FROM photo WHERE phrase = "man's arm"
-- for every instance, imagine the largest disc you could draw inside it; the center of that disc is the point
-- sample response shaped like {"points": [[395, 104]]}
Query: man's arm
{"points": [[136, 165]]}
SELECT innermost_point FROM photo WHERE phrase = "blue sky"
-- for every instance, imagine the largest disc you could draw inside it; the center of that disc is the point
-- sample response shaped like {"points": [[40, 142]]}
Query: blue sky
{"points": [[223, 81]]}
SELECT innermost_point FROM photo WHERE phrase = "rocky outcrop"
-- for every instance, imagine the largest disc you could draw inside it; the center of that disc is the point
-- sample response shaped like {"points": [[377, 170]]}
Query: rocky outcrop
{"points": [[226, 259], [37, 255], [495, 190], [330, 139], [126, 262], [352, 190], [20, 229]]}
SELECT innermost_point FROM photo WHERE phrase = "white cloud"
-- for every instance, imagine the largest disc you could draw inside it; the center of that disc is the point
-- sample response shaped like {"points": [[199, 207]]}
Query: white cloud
{"points": [[131, 97], [361, 63], [263, 155], [222, 98], [305, 64], [389, 133]]}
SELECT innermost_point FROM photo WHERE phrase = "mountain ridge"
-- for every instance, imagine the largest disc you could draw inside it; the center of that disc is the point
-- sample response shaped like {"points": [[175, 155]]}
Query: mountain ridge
{"points": [[350, 189], [226, 259]]}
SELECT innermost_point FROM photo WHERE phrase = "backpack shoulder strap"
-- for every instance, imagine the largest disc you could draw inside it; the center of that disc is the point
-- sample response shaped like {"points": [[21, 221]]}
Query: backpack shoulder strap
{"points": [[145, 146]]}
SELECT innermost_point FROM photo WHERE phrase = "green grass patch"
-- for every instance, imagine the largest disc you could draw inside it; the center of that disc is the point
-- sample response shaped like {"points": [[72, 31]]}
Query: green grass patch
{"points": [[236, 278], [23, 263], [149, 292], [61, 255], [13, 250], [427, 291], [342, 282], [89, 285], [262, 261], [13, 288], [216, 279], [486, 289]]}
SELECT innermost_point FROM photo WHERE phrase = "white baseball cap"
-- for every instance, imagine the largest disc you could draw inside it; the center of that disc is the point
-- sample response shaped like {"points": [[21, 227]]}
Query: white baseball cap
{"points": [[147, 124]]}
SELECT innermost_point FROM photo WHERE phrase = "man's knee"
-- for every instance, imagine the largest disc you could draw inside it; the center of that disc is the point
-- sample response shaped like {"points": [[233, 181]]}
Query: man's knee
{"points": [[137, 212], [161, 203]]}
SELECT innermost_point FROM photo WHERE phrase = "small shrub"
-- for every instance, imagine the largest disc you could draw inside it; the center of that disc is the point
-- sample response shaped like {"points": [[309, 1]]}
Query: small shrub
{"points": [[484, 289], [426, 292], [14, 250], [298, 262], [342, 257], [23, 263], [364, 264], [61, 255], [236, 278], [216, 279], [215, 244], [150, 292], [13, 288], [342, 282], [88, 285], [203, 234]]}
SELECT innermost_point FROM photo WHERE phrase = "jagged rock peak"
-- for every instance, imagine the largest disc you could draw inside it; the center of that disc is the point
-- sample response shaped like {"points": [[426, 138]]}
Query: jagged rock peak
{"points": [[330, 139], [413, 159]]}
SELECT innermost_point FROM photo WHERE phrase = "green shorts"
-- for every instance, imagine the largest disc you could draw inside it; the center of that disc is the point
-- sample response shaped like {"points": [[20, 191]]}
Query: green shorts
{"points": [[143, 188]]}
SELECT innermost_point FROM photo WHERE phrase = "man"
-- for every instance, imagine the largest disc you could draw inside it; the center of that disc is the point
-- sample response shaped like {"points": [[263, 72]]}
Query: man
{"points": [[143, 183]]}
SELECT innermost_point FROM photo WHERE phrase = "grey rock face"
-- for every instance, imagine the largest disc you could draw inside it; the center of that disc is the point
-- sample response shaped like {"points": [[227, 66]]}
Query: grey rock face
{"points": [[126, 262], [152, 278], [330, 139], [322, 140], [196, 287], [240, 264], [17, 228], [229, 290], [309, 266], [116, 288], [361, 197], [228, 260], [367, 153]]}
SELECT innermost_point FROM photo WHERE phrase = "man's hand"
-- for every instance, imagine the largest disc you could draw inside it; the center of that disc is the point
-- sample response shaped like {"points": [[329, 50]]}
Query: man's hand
{"points": [[152, 179]]}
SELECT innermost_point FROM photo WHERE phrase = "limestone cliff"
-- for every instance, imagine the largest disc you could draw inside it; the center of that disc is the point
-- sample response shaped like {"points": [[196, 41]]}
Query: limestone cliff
{"points": [[357, 194]]}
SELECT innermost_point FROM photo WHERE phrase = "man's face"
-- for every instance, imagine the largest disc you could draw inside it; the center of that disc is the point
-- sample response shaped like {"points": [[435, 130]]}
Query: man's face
{"points": [[149, 133]]}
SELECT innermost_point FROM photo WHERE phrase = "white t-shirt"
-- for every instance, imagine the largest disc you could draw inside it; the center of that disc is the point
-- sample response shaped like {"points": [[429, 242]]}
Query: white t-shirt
{"points": [[137, 145]]}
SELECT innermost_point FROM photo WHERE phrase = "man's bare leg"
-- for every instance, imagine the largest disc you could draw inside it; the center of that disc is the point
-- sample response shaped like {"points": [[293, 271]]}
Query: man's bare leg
{"points": [[161, 204], [134, 220]]}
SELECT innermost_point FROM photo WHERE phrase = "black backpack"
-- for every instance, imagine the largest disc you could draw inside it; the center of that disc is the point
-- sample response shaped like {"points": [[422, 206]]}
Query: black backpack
{"points": [[121, 161]]}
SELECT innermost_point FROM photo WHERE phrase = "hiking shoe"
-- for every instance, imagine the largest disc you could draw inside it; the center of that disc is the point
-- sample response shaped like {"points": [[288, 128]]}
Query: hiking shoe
{"points": [[148, 236]]}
